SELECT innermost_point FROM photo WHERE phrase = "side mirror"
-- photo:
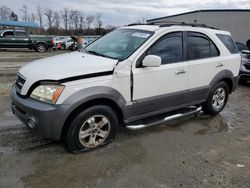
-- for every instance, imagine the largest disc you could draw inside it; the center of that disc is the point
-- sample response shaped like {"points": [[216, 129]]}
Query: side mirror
{"points": [[151, 61], [245, 51]]}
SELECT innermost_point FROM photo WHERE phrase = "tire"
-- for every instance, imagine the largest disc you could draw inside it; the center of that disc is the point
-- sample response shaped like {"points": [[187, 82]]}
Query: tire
{"points": [[41, 47], [83, 133], [217, 99]]}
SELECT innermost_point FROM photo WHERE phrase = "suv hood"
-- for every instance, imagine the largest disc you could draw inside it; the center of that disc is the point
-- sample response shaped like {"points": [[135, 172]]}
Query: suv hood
{"points": [[65, 66]]}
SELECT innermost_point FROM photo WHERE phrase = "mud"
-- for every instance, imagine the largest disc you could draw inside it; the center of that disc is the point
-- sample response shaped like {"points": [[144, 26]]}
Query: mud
{"points": [[199, 151]]}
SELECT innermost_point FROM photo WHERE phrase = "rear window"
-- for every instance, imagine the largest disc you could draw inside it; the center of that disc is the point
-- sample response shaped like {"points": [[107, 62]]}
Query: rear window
{"points": [[229, 43], [21, 34]]}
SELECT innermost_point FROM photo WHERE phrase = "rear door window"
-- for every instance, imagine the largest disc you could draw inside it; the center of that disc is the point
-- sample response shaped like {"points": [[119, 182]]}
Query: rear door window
{"points": [[229, 43], [199, 46], [21, 34]]}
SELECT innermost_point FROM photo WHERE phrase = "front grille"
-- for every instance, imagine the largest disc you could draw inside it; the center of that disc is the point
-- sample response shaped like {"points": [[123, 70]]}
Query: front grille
{"points": [[20, 80]]}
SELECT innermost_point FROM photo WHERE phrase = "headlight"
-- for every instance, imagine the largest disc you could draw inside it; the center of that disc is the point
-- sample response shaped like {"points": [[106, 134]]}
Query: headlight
{"points": [[47, 93]]}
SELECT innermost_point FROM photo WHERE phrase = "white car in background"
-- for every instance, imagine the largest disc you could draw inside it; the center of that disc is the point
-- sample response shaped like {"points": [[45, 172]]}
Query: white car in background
{"points": [[58, 41], [67, 43]]}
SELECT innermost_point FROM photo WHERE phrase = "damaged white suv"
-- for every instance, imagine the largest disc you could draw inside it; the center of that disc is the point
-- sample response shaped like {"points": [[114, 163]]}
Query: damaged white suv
{"points": [[136, 76]]}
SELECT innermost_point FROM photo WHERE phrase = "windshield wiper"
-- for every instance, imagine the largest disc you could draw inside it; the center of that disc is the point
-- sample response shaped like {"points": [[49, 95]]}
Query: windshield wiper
{"points": [[95, 53]]}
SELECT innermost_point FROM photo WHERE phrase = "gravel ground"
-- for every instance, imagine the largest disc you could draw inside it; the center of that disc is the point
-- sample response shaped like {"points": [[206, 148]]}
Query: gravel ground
{"points": [[191, 152]]}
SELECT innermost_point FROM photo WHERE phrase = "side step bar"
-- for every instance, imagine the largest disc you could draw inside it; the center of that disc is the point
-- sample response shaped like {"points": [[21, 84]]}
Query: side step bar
{"points": [[189, 111]]}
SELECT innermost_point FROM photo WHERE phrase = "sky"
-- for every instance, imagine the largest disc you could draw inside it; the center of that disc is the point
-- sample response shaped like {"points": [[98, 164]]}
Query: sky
{"points": [[118, 13]]}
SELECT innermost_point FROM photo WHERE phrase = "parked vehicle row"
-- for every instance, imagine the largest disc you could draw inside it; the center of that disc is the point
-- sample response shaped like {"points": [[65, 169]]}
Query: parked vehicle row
{"points": [[21, 39], [70, 43]]}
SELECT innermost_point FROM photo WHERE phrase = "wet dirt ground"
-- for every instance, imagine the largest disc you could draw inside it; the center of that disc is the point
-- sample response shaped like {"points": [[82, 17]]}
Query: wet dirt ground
{"points": [[199, 151]]}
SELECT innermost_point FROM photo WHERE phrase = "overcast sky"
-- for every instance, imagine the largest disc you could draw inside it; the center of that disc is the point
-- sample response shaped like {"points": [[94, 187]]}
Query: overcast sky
{"points": [[123, 12]]}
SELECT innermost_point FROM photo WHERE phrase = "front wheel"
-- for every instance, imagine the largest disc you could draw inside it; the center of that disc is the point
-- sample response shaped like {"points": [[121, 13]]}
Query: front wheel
{"points": [[91, 129], [217, 99]]}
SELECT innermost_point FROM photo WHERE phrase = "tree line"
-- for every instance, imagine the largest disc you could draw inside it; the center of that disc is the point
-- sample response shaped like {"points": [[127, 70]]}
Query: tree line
{"points": [[63, 22]]}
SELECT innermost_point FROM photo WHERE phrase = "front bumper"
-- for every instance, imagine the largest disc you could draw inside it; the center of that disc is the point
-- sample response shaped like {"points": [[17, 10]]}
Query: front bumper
{"points": [[44, 116]]}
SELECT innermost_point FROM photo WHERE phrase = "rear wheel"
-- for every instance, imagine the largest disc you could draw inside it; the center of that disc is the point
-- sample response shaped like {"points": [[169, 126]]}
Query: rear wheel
{"points": [[91, 129], [41, 47], [217, 99]]}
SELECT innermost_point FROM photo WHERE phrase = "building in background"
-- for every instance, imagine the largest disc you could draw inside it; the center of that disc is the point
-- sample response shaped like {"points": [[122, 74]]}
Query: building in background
{"points": [[237, 21]]}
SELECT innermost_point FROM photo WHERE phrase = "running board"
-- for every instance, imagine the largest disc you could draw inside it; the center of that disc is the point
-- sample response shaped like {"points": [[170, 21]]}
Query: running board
{"points": [[188, 111]]}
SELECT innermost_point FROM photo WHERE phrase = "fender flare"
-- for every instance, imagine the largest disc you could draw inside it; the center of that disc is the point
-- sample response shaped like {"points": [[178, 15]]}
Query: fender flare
{"points": [[82, 97], [224, 74]]}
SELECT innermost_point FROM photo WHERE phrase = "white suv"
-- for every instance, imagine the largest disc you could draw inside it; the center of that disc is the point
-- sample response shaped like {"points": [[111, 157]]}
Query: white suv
{"points": [[131, 77]]}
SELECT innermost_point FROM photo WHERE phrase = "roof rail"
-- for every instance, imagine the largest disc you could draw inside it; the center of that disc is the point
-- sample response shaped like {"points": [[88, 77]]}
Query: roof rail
{"points": [[133, 24], [172, 23]]}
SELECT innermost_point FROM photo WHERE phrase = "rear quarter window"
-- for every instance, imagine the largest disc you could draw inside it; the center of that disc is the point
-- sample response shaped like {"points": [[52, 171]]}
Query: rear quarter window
{"points": [[229, 43]]}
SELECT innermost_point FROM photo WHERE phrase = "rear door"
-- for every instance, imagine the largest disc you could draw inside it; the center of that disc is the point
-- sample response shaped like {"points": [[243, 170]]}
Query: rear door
{"points": [[204, 64], [22, 39]]}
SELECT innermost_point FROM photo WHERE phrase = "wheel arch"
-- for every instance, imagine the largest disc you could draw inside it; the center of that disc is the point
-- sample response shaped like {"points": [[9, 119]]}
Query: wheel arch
{"points": [[86, 98], [41, 42], [226, 76]]}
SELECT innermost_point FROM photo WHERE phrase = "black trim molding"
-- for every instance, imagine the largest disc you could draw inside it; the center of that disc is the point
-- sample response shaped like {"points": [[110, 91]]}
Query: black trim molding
{"points": [[98, 74]]}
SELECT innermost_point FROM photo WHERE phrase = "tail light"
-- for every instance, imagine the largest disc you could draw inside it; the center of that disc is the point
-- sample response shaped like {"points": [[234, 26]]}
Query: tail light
{"points": [[52, 40]]}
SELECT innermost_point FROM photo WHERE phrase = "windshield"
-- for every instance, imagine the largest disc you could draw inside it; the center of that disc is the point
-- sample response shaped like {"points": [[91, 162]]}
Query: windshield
{"points": [[119, 44]]}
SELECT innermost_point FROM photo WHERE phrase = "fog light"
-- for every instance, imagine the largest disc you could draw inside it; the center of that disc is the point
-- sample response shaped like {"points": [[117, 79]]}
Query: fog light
{"points": [[31, 122]]}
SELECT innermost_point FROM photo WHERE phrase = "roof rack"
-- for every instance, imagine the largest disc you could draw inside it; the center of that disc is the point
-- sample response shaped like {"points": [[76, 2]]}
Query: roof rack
{"points": [[173, 23], [134, 24]]}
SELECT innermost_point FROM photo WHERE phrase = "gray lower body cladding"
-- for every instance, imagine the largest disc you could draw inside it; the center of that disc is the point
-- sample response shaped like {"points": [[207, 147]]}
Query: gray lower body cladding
{"points": [[49, 120], [46, 117]]}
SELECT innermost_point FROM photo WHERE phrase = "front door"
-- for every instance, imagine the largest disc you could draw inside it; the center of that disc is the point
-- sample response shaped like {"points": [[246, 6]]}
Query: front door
{"points": [[163, 87]]}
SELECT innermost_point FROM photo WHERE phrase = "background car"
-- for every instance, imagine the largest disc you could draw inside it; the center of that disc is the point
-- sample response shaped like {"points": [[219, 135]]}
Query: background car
{"points": [[67, 43], [58, 42], [245, 61]]}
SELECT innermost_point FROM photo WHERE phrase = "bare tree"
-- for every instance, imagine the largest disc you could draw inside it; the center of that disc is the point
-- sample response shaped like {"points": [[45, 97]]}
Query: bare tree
{"points": [[5, 13], [74, 18], [32, 17], [98, 21], [25, 12], [40, 15], [65, 18], [89, 21], [57, 20], [49, 13], [81, 21]]}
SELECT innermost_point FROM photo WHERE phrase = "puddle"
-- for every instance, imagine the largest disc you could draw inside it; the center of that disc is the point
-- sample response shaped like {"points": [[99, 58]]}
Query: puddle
{"points": [[213, 125]]}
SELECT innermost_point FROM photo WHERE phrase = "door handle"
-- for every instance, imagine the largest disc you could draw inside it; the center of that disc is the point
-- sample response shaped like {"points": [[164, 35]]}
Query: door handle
{"points": [[219, 65], [181, 71]]}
